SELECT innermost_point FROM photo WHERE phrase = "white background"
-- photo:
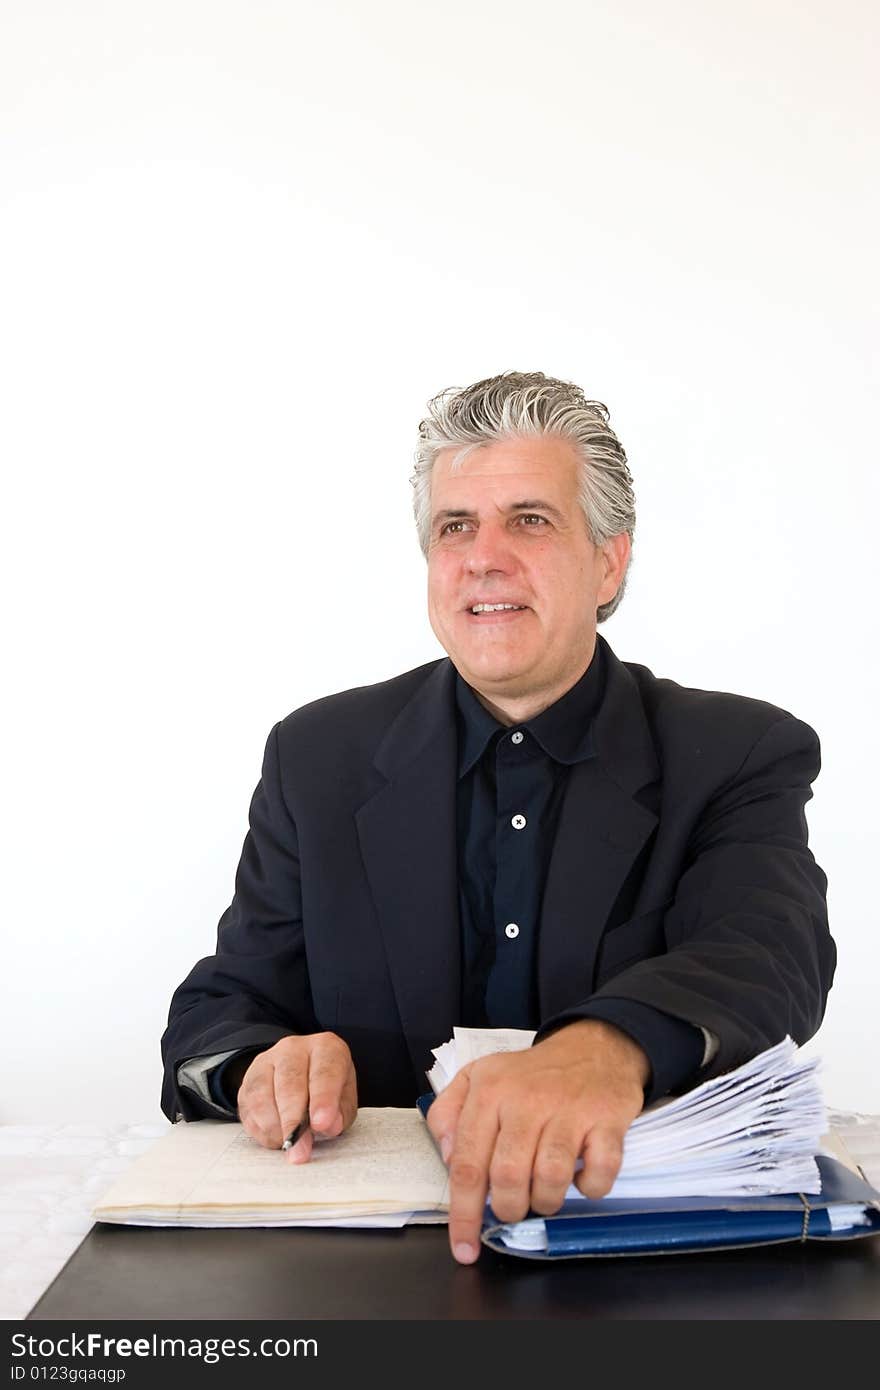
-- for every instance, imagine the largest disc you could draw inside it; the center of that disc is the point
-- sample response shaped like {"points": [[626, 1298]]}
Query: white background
{"points": [[241, 243]]}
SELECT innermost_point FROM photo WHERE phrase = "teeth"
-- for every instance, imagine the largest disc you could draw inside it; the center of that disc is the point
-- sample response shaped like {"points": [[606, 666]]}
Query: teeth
{"points": [[495, 607]]}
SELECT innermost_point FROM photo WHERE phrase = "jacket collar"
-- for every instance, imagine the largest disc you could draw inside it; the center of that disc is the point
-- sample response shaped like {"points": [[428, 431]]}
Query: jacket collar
{"points": [[621, 735]]}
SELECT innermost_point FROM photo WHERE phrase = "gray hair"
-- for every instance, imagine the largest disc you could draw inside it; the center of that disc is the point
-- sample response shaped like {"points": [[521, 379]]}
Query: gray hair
{"points": [[523, 405]]}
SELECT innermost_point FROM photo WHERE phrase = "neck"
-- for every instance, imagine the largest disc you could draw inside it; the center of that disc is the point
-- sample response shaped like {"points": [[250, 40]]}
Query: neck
{"points": [[518, 709]]}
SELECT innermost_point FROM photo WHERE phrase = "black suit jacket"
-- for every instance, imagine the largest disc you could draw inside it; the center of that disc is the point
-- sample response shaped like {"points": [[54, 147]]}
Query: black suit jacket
{"points": [[680, 877]]}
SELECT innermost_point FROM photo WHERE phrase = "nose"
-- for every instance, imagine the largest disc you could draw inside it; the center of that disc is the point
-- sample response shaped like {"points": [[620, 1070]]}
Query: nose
{"points": [[490, 550]]}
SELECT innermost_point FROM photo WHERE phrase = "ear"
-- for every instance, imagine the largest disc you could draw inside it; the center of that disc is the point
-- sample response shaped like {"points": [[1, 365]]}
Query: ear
{"points": [[615, 558]]}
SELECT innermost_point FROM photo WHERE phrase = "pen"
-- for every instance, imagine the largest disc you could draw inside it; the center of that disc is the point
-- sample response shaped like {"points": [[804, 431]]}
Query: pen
{"points": [[297, 1133]]}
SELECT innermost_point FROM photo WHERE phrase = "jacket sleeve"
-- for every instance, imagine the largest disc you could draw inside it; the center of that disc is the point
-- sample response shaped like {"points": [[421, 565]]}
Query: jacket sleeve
{"points": [[749, 954], [254, 990]]}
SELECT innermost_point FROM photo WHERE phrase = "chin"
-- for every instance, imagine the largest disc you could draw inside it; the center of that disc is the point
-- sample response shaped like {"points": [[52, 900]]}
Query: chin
{"points": [[503, 680]]}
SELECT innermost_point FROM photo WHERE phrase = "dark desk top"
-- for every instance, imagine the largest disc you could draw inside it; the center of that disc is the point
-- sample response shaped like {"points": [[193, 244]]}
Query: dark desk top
{"points": [[124, 1272]]}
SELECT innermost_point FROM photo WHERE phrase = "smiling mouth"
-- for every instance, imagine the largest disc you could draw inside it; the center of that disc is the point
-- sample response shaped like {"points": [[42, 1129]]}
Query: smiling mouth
{"points": [[495, 610]]}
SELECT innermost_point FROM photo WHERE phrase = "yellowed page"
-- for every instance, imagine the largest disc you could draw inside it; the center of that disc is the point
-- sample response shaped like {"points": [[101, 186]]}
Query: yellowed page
{"points": [[213, 1173]]}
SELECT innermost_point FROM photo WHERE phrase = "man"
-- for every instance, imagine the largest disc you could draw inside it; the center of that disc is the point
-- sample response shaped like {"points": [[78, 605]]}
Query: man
{"points": [[528, 834]]}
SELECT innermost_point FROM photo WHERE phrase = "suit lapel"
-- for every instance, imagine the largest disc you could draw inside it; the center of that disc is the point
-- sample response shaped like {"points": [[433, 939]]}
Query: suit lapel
{"points": [[408, 840], [601, 831]]}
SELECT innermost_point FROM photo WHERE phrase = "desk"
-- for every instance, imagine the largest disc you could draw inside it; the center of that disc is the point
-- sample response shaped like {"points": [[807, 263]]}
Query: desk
{"points": [[122, 1272]]}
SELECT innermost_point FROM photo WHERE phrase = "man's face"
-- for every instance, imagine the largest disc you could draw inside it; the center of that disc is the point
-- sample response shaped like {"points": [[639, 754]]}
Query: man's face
{"points": [[507, 528]]}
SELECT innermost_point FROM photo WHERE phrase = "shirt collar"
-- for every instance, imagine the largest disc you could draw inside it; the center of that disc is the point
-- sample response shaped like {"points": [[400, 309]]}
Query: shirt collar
{"points": [[563, 730]]}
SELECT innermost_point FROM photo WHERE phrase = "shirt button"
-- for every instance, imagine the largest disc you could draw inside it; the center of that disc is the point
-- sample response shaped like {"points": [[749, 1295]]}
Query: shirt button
{"points": [[518, 822], [511, 930], [517, 737]]}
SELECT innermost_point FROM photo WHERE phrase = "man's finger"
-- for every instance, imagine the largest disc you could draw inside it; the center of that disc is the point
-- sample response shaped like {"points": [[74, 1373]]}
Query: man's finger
{"points": [[469, 1164], [603, 1155], [349, 1101], [301, 1151], [444, 1111], [553, 1169], [329, 1069], [290, 1090], [511, 1165], [257, 1105]]}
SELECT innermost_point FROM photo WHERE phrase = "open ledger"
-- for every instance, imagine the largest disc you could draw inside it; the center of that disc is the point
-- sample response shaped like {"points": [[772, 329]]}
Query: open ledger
{"points": [[732, 1162]]}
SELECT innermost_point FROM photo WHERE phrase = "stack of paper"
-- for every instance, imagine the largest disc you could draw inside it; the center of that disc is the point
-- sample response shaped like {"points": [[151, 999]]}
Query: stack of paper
{"points": [[752, 1131]]}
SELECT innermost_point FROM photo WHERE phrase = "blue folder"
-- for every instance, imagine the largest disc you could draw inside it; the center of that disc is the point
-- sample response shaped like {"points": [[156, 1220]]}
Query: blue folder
{"points": [[681, 1225], [659, 1226]]}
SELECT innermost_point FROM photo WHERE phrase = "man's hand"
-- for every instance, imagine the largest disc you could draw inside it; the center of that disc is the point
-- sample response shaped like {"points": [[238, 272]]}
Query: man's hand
{"points": [[513, 1125], [311, 1075]]}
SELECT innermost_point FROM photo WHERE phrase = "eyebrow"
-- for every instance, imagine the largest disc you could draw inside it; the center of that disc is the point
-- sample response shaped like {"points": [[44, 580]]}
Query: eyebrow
{"points": [[531, 504]]}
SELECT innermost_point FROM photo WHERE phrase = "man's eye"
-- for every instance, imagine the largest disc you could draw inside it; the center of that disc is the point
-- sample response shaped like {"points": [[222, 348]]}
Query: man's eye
{"points": [[532, 519], [453, 528]]}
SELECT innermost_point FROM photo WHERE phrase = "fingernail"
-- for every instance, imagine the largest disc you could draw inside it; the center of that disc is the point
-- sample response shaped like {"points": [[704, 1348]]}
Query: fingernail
{"points": [[446, 1147], [464, 1253]]}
